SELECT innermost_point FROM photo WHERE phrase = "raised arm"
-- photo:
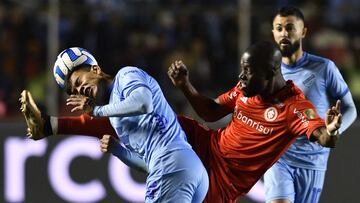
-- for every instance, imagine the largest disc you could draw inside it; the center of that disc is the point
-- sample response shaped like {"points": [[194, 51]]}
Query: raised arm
{"points": [[138, 102], [328, 135], [348, 110], [208, 109]]}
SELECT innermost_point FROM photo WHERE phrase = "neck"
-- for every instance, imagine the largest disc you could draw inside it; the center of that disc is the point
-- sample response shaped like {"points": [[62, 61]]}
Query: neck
{"points": [[294, 57], [275, 85]]}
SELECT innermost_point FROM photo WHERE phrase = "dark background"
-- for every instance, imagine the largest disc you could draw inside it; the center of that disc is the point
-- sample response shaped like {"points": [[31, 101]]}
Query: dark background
{"points": [[151, 34]]}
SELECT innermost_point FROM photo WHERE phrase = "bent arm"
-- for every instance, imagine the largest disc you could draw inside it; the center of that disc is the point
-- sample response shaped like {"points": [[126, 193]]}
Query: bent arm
{"points": [[137, 103], [129, 158], [208, 109], [321, 136], [348, 110]]}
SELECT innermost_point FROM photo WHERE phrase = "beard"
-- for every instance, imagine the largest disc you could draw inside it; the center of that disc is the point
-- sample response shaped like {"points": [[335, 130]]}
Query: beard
{"points": [[290, 50]]}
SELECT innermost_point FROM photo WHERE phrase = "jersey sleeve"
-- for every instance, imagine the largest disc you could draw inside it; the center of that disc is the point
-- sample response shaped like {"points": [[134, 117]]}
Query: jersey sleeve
{"points": [[335, 83], [303, 118], [229, 98], [134, 95], [129, 79]]}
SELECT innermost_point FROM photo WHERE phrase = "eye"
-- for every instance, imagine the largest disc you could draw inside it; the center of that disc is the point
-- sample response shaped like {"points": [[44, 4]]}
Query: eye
{"points": [[290, 28], [279, 29], [77, 82]]}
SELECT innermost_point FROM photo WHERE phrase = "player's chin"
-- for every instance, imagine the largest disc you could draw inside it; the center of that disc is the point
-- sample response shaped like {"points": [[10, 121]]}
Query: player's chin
{"points": [[247, 92]]}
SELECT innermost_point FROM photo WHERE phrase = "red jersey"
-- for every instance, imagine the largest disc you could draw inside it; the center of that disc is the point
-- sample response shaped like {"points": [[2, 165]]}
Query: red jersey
{"points": [[259, 133]]}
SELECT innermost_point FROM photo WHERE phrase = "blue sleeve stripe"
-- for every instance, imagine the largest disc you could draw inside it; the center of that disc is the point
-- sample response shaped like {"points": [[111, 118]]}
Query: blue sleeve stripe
{"points": [[135, 87], [342, 94]]}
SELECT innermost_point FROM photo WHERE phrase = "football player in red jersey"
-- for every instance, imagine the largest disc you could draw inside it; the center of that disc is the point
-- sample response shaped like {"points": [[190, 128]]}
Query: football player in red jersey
{"points": [[268, 114]]}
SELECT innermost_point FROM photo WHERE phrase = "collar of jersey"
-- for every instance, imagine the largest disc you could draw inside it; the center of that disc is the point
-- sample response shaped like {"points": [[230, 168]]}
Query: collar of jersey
{"points": [[287, 91], [298, 63]]}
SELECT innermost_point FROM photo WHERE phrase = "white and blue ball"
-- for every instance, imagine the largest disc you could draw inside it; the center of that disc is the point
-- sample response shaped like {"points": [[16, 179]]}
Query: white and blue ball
{"points": [[67, 60]]}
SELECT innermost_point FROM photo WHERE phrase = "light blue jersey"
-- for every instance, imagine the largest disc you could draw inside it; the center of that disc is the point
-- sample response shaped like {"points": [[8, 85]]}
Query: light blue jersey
{"points": [[155, 138], [146, 134], [299, 174], [322, 83]]}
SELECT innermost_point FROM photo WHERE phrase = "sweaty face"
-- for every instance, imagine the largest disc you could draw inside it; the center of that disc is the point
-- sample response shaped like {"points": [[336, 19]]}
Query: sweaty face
{"points": [[253, 77], [288, 33], [88, 83]]}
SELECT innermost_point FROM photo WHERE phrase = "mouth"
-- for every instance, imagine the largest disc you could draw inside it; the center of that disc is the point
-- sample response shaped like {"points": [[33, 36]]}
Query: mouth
{"points": [[88, 92], [285, 42], [242, 85]]}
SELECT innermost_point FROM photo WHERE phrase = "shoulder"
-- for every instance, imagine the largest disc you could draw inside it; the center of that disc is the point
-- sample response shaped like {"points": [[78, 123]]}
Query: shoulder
{"points": [[321, 61], [128, 70]]}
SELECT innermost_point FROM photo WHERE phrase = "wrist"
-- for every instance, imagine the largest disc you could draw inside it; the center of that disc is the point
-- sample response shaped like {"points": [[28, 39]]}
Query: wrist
{"points": [[334, 133]]}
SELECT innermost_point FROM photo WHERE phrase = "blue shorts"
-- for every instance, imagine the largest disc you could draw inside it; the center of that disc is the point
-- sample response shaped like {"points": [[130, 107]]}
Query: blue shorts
{"points": [[298, 185], [177, 176]]}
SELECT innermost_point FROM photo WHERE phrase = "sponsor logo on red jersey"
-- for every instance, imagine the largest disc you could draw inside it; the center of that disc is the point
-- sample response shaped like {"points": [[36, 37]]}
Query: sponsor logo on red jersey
{"points": [[270, 114]]}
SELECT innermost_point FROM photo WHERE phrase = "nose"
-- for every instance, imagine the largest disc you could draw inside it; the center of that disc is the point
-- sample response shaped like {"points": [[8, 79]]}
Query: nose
{"points": [[284, 33], [242, 76], [80, 90]]}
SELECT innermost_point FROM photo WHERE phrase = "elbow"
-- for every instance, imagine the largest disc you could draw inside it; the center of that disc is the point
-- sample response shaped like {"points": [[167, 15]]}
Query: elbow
{"points": [[330, 141], [146, 108]]}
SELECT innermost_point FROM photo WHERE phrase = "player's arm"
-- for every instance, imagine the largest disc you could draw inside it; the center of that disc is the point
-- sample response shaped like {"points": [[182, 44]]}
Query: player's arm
{"points": [[338, 89], [138, 102], [208, 109], [327, 135], [109, 144], [348, 110]]}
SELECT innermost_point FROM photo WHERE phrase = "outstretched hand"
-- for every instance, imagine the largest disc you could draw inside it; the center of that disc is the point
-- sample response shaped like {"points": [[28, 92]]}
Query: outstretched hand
{"points": [[178, 73], [333, 118], [81, 103]]}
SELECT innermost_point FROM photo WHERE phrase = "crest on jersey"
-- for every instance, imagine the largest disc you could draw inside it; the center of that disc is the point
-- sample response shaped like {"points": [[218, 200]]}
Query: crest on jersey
{"points": [[270, 114], [310, 113]]}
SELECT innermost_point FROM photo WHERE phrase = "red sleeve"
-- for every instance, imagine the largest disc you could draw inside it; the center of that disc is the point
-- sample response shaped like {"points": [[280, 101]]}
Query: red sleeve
{"points": [[303, 118], [85, 125], [229, 98]]}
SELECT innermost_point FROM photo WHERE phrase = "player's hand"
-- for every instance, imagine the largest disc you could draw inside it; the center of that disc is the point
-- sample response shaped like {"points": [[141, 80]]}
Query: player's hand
{"points": [[34, 120], [178, 73], [333, 118], [107, 143], [81, 103]]}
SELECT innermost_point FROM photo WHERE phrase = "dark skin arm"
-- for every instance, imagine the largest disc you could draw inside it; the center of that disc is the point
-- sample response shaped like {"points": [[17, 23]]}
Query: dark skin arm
{"points": [[327, 136], [208, 109]]}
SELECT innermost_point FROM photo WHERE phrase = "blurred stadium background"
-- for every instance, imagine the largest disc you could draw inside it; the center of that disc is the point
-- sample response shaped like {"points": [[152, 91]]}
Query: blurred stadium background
{"points": [[208, 35]]}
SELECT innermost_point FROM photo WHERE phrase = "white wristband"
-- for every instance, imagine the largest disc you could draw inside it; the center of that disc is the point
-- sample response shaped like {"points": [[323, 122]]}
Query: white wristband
{"points": [[335, 133]]}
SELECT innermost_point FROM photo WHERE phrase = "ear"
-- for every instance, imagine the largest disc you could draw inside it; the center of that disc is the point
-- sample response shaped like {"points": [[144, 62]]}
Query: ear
{"points": [[95, 69], [304, 32]]}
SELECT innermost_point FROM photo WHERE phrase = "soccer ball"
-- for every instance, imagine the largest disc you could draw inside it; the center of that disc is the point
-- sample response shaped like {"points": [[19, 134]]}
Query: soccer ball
{"points": [[67, 60]]}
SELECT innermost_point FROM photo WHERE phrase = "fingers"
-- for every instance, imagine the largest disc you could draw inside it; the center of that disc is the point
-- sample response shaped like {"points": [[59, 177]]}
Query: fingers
{"points": [[104, 143], [338, 105], [78, 108], [177, 69]]}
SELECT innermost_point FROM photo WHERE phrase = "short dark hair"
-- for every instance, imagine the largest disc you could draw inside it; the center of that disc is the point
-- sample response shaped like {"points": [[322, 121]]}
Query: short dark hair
{"points": [[289, 11]]}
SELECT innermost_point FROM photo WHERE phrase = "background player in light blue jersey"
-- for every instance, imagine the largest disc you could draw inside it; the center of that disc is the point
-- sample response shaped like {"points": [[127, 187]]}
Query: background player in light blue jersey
{"points": [[145, 124], [299, 175]]}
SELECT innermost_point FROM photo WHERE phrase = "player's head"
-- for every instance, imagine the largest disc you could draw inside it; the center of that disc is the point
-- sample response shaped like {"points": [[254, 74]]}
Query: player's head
{"points": [[289, 29], [260, 65], [77, 72]]}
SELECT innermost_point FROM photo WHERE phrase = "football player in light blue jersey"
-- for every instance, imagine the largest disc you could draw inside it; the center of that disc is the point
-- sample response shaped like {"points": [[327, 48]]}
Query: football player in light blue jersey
{"points": [[299, 175], [146, 125]]}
